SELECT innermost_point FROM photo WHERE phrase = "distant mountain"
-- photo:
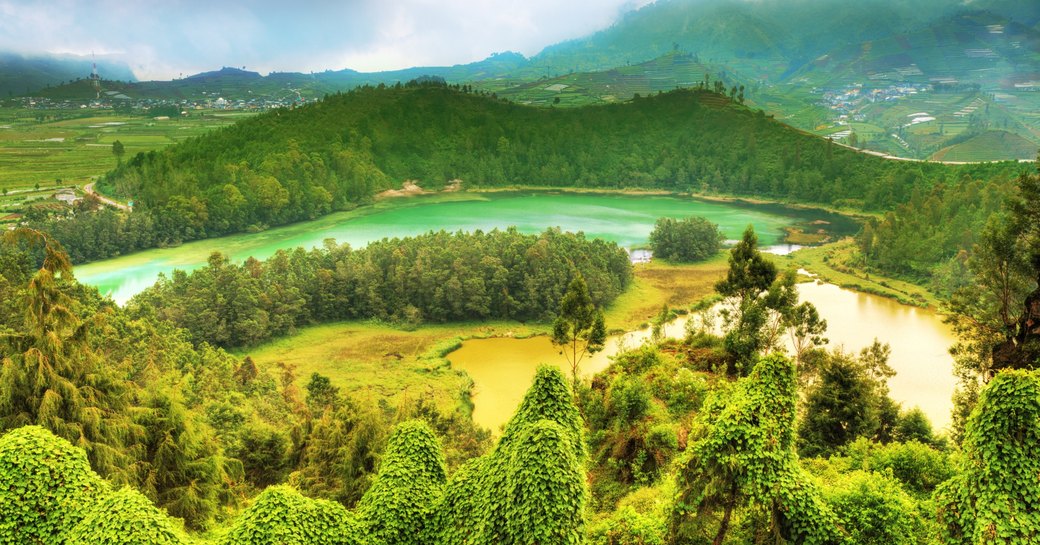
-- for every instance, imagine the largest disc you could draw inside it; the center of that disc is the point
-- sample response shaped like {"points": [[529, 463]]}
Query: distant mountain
{"points": [[25, 74], [766, 39], [234, 83]]}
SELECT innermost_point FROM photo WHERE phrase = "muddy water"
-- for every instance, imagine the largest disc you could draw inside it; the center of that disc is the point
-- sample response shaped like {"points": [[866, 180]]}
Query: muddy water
{"points": [[502, 368]]}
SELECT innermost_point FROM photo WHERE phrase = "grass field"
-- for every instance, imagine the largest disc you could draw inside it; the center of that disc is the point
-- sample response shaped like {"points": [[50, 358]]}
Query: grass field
{"points": [[380, 362], [44, 146], [834, 263]]}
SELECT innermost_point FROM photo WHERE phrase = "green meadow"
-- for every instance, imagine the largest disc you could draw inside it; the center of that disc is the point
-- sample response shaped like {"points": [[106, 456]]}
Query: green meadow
{"points": [[43, 150]]}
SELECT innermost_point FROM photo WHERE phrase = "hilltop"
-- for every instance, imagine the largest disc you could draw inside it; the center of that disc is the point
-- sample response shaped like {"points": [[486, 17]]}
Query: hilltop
{"points": [[25, 74], [291, 165]]}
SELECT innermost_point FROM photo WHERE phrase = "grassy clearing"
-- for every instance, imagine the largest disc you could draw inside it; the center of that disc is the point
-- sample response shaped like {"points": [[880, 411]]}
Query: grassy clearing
{"points": [[660, 283], [380, 362], [835, 263]]}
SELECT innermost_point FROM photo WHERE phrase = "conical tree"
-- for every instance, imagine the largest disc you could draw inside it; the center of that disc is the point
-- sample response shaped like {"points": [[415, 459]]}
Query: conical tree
{"points": [[395, 509]]}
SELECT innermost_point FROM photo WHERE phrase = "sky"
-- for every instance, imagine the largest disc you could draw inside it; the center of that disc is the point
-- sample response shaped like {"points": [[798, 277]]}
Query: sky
{"points": [[171, 38]]}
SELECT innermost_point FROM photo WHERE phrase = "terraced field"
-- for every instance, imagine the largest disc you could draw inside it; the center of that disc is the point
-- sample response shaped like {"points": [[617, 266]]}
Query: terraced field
{"points": [[42, 150]]}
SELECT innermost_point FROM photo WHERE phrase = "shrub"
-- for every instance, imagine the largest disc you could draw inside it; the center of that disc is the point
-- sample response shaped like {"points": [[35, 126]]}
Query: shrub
{"points": [[125, 517], [46, 485], [281, 516]]}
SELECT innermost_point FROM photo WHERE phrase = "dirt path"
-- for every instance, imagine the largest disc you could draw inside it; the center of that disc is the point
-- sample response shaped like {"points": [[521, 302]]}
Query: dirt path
{"points": [[89, 190]]}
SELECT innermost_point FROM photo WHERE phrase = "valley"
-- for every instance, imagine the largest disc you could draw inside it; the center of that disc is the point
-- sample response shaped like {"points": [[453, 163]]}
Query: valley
{"points": [[672, 272]]}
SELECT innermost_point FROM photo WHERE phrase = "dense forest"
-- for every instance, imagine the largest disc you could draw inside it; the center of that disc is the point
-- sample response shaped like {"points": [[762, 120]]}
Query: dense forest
{"points": [[293, 165], [435, 277], [715, 438]]}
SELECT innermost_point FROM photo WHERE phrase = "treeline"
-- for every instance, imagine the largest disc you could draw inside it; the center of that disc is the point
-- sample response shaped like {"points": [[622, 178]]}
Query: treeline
{"points": [[529, 489], [292, 165], [434, 277], [193, 428]]}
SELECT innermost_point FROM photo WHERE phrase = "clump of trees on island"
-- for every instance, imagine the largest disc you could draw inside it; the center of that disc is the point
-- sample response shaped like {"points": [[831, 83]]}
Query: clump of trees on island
{"points": [[685, 240]]}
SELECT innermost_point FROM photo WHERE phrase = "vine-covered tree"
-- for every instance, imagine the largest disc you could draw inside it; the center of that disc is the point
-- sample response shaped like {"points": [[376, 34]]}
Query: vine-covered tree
{"points": [[741, 455], [994, 496]]}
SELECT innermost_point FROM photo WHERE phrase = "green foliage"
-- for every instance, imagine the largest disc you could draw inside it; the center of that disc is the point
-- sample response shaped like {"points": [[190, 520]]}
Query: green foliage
{"points": [[443, 276], [281, 516], [685, 240], [125, 517], [920, 468], [531, 488], [411, 477], [183, 470], [578, 329], [741, 452], [46, 486], [626, 526], [847, 399], [875, 510], [995, 495]]}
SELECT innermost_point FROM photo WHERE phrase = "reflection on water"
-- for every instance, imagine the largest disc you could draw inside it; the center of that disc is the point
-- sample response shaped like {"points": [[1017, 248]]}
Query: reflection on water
{"points": [[624, 219], [502, 369]]}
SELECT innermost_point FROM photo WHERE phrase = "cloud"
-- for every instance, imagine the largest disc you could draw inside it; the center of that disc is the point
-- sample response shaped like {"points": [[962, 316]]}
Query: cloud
{"points": [[162, 40]]}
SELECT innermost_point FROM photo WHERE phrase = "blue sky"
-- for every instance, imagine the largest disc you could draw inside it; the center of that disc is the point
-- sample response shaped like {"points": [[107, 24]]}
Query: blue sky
{"points": [[165, 39]]}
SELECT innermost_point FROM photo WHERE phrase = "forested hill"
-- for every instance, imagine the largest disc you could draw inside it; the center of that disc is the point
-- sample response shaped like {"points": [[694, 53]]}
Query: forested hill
{"points": [[291, 165]]}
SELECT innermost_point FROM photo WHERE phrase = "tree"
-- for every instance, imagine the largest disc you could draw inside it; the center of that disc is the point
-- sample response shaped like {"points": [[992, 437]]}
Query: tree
{"points": [[996, 316], [741, 455], [579, 329], [993, 498], [848, 399], [118, 150], [685, 240], [749, 276]]}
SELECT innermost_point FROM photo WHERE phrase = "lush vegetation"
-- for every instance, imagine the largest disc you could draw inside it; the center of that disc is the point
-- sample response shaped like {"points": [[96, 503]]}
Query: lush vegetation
{"points": [[529, 489], [684, 240], [287, 166], [679, 441], [435, 277], [194, 429]]}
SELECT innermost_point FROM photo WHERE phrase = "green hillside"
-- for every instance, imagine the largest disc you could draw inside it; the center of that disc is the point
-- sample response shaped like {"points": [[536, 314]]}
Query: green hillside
{"points": [[292, 165], [989, 146], [26, 74]]}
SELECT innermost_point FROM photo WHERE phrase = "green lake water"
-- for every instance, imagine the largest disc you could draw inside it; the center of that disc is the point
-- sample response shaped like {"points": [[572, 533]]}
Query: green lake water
{"points": [[625, 219]]}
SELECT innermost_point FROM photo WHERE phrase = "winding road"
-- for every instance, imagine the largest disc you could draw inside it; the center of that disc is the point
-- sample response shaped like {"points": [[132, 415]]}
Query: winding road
{"points": [[89, 190]]}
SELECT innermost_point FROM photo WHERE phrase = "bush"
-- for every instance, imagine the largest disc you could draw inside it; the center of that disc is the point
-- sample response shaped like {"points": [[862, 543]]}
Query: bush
{"points": [[919, 467], [281, 516], [125, 517], [875, 510], [46, 485]]}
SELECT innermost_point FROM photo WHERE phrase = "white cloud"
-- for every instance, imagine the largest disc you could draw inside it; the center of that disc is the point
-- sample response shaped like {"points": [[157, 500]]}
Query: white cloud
{"points": [[166, 39]]}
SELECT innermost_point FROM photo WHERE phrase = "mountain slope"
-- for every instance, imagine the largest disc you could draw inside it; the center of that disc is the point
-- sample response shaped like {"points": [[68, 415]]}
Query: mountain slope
{"points": [[24, 74]]}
